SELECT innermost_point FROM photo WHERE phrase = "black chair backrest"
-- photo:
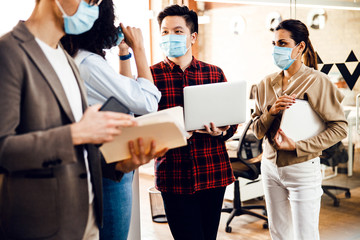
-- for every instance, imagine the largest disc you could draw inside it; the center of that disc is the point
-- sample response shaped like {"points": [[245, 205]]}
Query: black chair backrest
{"points": [[249, 145], [248, 152], [334, 155]]}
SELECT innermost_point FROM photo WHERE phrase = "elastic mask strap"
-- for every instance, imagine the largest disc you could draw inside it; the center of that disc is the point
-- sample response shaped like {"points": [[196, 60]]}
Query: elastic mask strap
{"points": [[190, 42], [298, 53], [61, 9]]}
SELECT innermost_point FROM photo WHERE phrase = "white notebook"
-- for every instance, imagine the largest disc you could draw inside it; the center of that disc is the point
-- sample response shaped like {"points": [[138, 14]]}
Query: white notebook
{"points": [[301, 122]]}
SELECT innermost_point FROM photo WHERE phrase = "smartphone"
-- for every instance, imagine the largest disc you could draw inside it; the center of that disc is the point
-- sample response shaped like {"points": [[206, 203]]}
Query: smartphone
{"points": [[120, 36], [114, 105]]}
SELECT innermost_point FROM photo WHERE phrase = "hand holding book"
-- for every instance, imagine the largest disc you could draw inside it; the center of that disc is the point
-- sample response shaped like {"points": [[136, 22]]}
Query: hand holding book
{"points": [[165, 128]]}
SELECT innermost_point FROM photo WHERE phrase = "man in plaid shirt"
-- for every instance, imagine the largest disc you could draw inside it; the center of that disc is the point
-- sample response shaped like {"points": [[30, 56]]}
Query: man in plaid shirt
{"points": [[192, 179]]}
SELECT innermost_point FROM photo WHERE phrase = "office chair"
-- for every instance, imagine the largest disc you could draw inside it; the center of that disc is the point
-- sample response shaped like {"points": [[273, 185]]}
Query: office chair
{"points": [[332, 157], [246, 165]]}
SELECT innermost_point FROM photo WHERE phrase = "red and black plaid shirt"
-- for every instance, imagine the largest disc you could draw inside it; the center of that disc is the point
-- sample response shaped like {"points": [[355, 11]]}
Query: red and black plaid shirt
{"points": [[204, 162]]}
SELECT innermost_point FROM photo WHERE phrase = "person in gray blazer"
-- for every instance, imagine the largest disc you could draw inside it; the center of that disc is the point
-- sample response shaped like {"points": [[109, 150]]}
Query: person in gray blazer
{"points": [[50, 173]]}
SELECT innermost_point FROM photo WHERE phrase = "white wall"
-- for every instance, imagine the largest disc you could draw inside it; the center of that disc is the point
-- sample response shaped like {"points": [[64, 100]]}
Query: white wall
{"points": [[248, 56], [135, 14], [128, 12], [11, 11]]}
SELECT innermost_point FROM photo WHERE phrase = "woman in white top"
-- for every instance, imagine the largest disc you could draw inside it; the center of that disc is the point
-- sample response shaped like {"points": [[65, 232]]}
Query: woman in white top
{"points": [[139, 95]]}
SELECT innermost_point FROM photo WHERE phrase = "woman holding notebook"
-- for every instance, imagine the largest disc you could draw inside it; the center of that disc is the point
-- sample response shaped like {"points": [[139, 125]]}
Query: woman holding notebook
{"points": [[291, 170], [139, 95]]}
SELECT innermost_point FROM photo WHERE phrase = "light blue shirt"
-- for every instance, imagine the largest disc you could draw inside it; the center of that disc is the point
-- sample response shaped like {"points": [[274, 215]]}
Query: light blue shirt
{"points": [[102, 81]]}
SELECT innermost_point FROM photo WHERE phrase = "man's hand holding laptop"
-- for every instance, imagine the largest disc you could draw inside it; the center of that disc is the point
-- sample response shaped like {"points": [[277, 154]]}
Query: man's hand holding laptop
{"points": [[214, 130]]}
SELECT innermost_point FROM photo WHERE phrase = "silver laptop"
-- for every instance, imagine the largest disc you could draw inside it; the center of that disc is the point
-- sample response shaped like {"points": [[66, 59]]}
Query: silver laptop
{"points": [[221, 103]]}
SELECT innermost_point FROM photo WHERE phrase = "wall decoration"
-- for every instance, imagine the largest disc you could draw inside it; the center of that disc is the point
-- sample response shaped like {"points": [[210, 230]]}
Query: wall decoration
{"points": [[238, 25], [349, 78], [316, 18], [272, 20]]}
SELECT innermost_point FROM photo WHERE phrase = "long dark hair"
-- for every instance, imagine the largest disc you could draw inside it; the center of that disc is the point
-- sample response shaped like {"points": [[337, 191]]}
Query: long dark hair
{"points": [[102, 35], [299, 33]]}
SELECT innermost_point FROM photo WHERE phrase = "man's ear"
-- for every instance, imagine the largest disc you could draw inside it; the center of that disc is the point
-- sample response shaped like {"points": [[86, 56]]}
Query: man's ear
{"points": [[193, 37]]}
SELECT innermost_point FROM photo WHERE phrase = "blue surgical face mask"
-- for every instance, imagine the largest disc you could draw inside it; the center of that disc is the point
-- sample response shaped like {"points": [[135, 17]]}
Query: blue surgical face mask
{"points": [[282, 57], [174, 45], [82, 20]]}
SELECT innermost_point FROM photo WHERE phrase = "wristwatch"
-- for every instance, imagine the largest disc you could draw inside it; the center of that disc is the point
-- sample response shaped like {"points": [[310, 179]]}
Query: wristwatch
{"points": [[125, 57]]}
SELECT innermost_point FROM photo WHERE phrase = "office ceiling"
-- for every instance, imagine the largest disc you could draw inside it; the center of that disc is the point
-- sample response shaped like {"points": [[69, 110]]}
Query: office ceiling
{"points": [[337, 4]]}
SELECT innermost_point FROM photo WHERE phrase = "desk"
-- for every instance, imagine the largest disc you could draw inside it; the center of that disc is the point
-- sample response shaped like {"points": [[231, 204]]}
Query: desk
{"points": [[351, 118], [238, 132], [135, 229]]}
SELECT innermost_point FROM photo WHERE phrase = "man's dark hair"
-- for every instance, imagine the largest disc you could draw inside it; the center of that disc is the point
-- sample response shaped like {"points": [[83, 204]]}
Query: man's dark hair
{"points": [[190, 16]]}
